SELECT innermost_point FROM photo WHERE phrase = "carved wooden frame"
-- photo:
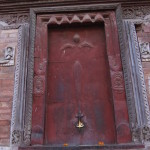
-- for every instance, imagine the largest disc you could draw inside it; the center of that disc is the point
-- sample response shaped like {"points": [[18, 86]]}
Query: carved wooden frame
{"points": [[18, 103], [138, 105], [29, 94], [17, 121]]}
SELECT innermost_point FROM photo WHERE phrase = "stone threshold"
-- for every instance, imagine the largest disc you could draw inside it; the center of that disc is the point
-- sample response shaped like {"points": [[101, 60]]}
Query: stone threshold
{"points": [[85, 147]]}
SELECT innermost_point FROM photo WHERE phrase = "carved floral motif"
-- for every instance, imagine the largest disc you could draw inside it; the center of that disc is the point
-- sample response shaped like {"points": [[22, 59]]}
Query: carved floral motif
{"points": [[135, 12], [15, 18]]}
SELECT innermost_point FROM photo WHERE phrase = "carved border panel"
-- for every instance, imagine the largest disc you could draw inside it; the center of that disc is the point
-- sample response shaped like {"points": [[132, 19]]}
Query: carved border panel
{"points": [[17, 121], [141, 120], [129, 12], [15, 18]]}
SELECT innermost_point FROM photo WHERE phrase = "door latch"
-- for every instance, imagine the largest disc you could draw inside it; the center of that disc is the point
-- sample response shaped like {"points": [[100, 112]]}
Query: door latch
{"points": [[79, 124]]}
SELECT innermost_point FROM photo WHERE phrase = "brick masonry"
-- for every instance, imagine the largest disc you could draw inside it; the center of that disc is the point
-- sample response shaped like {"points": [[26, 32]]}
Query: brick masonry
{"points": [[7, 74]]}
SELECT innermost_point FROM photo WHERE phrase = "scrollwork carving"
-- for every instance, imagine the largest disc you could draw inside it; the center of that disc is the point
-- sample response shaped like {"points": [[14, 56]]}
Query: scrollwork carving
{"points": [[15, 18], [118, 82], [16, 137], [135, 12], [146, 133]]}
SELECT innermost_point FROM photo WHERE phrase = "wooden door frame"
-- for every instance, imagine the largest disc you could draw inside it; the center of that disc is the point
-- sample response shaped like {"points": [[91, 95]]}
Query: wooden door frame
{"points": [[80, 8], [40, 58]]}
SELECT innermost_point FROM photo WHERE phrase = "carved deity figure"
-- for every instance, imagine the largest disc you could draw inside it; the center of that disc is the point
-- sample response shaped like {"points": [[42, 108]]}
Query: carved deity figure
{"points": [[145, 50]]}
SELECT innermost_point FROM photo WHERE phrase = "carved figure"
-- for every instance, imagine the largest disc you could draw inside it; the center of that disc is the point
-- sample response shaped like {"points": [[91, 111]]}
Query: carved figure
{"points": [[145, 51], [8, 59]]}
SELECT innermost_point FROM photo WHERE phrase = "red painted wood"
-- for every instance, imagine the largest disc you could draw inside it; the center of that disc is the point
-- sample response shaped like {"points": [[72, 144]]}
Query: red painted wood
{"points": [[118, 88], [39, 86], [78, 76], [88, 70]]}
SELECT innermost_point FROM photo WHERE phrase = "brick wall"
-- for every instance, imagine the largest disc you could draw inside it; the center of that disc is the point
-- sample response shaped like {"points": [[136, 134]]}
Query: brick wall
{"points": [[7, 38]]}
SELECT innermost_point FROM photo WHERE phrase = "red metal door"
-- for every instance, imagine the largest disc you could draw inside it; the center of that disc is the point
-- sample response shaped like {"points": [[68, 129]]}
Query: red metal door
{"points": [[79, 106]]}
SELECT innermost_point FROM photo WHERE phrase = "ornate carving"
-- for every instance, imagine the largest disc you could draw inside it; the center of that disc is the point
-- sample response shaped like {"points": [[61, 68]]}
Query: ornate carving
{"points": [[15, 18], [143, 88], [127, 74], [18, 115], [136, 133], [145, 51], [16, 137], [78, 43], [146, 134], [135, 12], [78, 18], [142, 117], [9, 57], [28, 109], [38, 85], [118, 82]]}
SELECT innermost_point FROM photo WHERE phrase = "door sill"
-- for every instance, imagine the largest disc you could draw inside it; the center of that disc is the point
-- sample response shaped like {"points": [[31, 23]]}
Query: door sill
{"points": [[85, 147]]}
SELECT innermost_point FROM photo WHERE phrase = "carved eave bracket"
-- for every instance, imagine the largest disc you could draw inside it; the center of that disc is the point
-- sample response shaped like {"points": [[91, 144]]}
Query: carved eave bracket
{"points": [[9, 57]]}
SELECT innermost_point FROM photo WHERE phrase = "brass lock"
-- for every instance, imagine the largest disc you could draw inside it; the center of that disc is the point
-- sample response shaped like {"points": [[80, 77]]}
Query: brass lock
{"points": [[79, 124]]}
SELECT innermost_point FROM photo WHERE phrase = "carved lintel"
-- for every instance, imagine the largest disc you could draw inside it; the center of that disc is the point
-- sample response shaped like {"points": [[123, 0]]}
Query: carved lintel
{"points": [[9, 57]]}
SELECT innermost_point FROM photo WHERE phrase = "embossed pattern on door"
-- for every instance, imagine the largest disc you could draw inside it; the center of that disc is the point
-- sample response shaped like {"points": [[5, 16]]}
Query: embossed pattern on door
{"points": [[78, 87]]}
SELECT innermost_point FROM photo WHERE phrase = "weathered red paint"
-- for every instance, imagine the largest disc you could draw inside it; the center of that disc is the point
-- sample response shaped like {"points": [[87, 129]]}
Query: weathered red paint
{"points": [[72, 70], [79, 80]]}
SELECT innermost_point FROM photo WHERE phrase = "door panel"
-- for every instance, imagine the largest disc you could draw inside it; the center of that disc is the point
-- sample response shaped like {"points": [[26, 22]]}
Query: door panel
{"points": [[78, 87]]}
